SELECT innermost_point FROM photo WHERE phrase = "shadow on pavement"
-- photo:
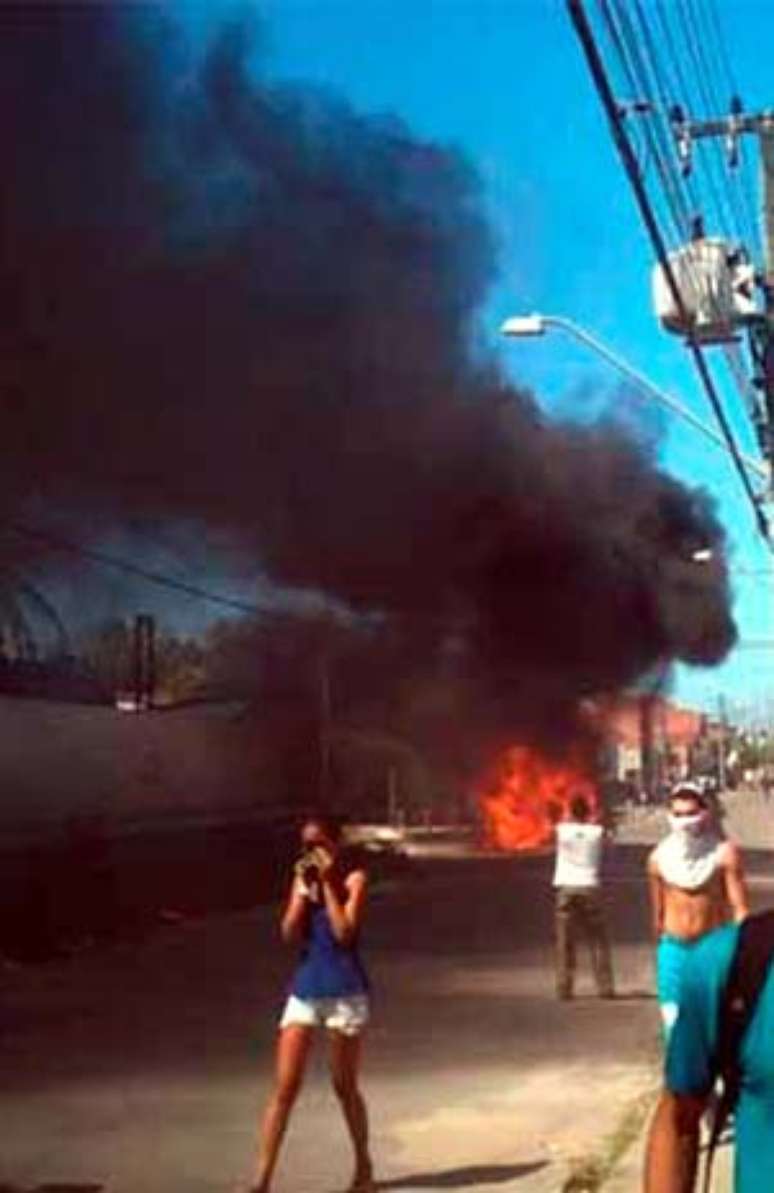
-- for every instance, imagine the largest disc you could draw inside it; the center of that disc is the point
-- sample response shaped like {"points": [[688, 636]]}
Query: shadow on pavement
{"points": [[462, 1178]]}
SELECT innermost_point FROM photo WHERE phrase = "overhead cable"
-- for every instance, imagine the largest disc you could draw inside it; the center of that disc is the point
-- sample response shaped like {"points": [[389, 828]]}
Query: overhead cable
{"points": [[57, 543], [629, 161]]}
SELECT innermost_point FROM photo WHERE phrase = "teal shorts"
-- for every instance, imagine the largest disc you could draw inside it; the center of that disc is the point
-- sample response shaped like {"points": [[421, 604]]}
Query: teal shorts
{"points": [[671, 956]]}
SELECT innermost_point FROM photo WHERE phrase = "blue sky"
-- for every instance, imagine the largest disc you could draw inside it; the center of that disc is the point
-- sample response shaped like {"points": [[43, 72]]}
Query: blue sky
{"points": [[505, 81]]}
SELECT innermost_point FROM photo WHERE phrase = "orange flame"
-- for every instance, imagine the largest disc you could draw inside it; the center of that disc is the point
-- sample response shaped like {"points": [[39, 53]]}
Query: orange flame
{"points": [[529, 794]]}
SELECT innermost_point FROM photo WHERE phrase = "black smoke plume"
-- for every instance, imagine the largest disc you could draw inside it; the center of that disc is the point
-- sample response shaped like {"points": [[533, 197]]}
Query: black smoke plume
{"points": [[242, 303]]}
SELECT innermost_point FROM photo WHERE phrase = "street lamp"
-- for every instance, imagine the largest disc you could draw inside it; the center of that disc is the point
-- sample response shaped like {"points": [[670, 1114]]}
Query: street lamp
{"points": [[529, 326]]}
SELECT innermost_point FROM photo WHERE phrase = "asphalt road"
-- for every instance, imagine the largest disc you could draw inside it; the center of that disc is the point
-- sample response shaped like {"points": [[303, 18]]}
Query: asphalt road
{"points": [[141, 1069]]}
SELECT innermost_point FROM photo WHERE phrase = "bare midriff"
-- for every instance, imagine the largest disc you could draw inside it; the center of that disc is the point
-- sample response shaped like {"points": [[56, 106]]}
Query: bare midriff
{"points": [[690, 914]]}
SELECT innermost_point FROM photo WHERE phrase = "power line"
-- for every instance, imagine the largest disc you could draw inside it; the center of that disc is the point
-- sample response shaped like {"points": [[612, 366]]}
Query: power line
{"points": [[633, 67], [707, 102], [674, 181], [739, 196], [751, 399], [715, 22], [707, 20], [680, 182], [623, 145], [57, 543], [678, 187], [625, 44], [732, 207], [705, 45]]}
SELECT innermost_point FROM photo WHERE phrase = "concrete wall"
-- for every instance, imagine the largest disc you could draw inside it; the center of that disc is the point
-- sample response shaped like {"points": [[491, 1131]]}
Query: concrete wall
{"points": [[57, 760]]}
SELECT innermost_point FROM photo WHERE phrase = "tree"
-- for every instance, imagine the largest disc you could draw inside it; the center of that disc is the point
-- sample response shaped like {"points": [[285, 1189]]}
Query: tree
{"points": [[107, 651]]}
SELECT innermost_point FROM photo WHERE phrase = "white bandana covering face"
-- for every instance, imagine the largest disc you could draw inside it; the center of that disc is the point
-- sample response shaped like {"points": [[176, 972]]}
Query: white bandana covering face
{"points": [[688, 857]]}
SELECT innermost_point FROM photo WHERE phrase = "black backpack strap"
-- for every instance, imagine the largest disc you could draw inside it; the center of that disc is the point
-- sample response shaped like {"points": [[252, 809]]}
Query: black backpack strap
{"points": [[746, 979]]}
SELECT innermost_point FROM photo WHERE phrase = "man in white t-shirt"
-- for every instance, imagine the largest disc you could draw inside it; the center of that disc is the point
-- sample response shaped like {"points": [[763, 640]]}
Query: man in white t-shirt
{"points": [[579, 907]]}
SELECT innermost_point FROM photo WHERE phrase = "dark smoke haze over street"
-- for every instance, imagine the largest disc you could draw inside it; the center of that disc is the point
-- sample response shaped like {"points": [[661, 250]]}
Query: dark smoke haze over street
{"points": [[249, 306]]}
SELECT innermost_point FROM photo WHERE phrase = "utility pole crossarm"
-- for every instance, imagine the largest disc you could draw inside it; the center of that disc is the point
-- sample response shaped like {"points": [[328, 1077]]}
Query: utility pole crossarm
{"points": [[697, 129]]}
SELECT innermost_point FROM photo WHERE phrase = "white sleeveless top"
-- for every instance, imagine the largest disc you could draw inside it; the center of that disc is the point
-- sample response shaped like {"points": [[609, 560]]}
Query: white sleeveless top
{"points": [[578, 854]]}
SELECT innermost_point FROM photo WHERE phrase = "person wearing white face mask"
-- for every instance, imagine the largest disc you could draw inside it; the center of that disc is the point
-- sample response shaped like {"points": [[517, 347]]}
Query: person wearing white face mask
{"points": [[696, 881]]}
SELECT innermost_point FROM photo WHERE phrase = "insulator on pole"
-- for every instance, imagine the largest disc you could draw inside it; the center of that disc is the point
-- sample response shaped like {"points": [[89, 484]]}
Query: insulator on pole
{"points": [[732, 136], [683, 139]]}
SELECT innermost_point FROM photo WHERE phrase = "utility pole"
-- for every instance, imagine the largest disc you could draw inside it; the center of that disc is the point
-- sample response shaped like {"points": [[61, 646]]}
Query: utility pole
{"points": [[648, 774], [722, 720], [144, 661], [766, 346]]}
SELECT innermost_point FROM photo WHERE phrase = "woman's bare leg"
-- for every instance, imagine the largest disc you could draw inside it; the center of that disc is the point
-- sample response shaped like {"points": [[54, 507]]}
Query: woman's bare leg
{"points": [[292, 1050], [345, 1064]]}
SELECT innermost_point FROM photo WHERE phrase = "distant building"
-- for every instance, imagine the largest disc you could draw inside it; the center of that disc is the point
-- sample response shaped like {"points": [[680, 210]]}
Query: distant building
{"points": [[650, 741]]}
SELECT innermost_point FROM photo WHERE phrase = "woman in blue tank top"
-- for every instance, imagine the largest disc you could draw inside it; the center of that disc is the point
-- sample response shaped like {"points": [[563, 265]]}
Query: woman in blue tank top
{"points": [[329, 989]]}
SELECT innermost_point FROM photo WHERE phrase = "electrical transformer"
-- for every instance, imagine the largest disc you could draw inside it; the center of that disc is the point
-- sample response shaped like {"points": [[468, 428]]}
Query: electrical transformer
{"points": [[718, 288]]}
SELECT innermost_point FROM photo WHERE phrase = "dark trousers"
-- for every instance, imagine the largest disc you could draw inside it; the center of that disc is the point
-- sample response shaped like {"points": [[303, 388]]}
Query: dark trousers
{"points": [[580, 911]]}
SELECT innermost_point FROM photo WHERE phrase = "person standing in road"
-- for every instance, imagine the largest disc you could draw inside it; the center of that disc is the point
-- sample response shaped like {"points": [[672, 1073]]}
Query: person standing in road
{"points": [[578, 906], [329, 990], [696, 881]]}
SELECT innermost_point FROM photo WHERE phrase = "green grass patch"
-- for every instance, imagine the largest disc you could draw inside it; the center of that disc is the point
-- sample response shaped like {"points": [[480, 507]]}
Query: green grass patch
{"points": [[589, 1173]]}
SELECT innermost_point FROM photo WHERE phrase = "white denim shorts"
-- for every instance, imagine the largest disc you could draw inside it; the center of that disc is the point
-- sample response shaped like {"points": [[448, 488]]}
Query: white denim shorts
{"points": [[348, 1013]]}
